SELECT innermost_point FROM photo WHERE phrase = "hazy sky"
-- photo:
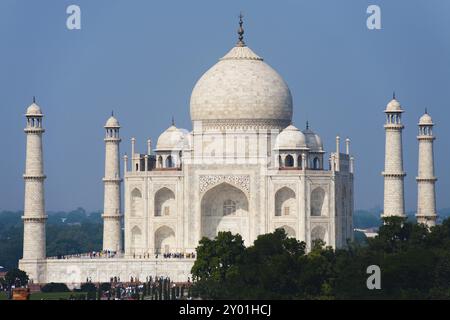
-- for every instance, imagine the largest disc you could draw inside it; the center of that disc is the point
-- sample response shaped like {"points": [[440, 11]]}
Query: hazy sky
{"points": [[142, 59]]}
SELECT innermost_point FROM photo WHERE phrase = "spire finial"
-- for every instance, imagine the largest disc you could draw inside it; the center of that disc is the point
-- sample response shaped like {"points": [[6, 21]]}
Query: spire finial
{"points": [[34, 99], [241, 42], [393, 95], [307, 124], [426, 110], [112, 113], [173, 121]]}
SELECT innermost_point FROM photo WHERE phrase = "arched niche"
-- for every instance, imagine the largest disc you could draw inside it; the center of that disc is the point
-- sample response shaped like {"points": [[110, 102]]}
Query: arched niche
{"points": [[224, 208], [165, 203], [285, 203], [164, 240], [317, 202], [137, 207]]}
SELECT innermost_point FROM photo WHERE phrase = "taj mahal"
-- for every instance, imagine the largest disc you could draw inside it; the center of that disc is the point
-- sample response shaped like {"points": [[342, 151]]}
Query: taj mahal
{"points": [[245, 167]]}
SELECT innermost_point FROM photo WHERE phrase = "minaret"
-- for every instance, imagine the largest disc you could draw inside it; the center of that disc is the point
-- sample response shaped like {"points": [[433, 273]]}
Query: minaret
{"points": [[112, 231], [426, 200], [34, 216], [394, 201]]}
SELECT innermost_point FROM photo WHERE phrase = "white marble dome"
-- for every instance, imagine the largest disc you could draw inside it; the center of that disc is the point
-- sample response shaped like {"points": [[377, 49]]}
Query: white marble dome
{"points": [[290, 138], [425, 120], [171, 139], [241, 86], [394, 106], [34, 110], [112, 123], [313, 141]]}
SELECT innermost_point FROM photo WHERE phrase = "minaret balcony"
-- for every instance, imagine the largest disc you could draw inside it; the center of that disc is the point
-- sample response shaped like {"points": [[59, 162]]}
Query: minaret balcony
{"points": [[112, 139], [394, 126], [34, 130], [112, 180], [34, 176], [424, 137], [34, 219], [393, 174], [424, 179]]}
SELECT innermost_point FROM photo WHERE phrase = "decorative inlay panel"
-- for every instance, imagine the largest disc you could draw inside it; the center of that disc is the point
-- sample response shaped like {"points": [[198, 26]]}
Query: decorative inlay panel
{"points": [[240, 181]]}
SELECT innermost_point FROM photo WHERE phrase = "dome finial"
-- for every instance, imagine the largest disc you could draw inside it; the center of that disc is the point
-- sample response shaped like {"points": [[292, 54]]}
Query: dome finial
{"points": [[34, 99], [426, 110], [241, 42], [393, 95], [307, 124], [173, 121], [112, 113]]}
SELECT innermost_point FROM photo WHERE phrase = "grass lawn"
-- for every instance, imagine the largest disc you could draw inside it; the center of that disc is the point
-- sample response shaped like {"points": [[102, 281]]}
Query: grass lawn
{"points": [[3, 295], [53, 295]]}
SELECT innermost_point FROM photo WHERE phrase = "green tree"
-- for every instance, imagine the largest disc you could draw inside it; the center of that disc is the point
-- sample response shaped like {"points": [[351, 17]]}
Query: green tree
{"points": [[215, 259], [267, 269], [16, 277]]}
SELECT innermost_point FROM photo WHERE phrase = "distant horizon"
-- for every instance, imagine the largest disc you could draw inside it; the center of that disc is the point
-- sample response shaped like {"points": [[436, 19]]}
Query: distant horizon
{"points": [[100, 210]]}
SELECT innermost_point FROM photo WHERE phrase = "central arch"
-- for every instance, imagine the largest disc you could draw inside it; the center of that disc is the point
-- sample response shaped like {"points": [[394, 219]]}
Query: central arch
{"points": [[224, 208]]}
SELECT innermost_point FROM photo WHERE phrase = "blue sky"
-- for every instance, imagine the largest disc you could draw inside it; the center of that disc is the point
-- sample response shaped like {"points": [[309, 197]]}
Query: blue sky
{"points": [[142, 59]]}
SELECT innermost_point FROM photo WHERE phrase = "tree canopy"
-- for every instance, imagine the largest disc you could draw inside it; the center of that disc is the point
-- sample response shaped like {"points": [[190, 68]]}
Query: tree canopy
{"points": [[414, 263]]}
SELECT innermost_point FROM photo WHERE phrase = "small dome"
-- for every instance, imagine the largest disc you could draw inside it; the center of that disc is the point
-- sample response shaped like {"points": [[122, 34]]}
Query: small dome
{"points": [[425, 120], [112, 123], [171, 139], [313, 141], [34, 110], [393, 106], [290, 138]]}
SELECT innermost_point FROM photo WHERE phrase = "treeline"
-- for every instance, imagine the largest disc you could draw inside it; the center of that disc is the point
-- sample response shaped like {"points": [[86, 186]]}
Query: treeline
{"points": [[67, 233], [414, 264]]}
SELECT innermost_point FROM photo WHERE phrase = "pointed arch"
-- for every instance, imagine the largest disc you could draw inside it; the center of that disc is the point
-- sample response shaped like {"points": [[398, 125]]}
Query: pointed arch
{"points": [[164, 240], [165, 204], [289, 161], [285, 204], [224, 208], [317, 202], [290, 232], [316, 163], [169, 162], [136, 238], [137, 207], [318, 233]]}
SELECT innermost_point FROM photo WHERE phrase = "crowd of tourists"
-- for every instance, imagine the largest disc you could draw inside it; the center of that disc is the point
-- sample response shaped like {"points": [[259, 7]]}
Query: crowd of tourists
{"points": [[90, 255], [112, 254], [176, 255]]}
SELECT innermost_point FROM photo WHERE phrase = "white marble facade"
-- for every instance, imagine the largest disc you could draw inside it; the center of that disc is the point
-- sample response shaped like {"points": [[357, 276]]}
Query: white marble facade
{"points": [[244, 167]]}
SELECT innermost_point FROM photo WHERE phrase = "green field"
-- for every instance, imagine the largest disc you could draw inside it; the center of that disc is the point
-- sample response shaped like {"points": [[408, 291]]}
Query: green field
{"points": [[3, 295], [53, 295]]}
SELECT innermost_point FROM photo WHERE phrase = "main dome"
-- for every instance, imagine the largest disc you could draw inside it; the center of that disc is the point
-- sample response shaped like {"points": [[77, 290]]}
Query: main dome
{"points": [[241, 86]]}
